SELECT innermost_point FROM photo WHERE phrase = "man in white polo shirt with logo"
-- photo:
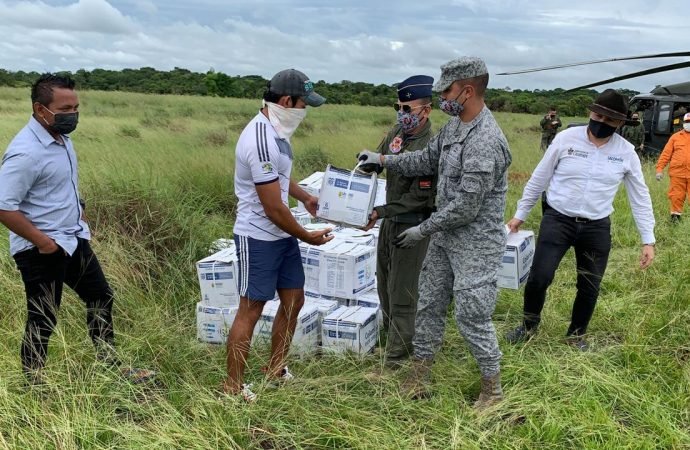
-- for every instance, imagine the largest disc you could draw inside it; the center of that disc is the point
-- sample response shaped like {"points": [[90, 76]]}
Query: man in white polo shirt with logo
{"points": [[581, 172], [265, 231]]}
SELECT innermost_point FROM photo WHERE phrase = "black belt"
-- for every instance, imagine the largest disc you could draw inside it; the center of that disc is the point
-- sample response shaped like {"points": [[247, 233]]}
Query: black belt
{"points": [[415, 218], [579, 219]]}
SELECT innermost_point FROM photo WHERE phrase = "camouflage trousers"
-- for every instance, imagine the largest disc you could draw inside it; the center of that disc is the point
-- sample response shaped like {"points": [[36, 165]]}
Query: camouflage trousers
{"points": [[473, 282], [546, 140]]}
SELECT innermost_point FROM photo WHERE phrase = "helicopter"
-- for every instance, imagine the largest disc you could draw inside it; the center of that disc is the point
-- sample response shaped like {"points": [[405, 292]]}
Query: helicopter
{"points": [[661, 110]]}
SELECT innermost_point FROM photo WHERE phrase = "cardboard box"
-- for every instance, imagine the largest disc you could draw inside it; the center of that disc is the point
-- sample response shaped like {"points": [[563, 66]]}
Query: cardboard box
{"points": [[213, 323], [311, 257], [220, 244], [347, 270], [517, 260], [338, 268], [304, 341], [355, 236], [324, 306], [218, 279], [380, 192], [350, 328], [311, 184], [370, 299], [302, 216], [346, 197]]}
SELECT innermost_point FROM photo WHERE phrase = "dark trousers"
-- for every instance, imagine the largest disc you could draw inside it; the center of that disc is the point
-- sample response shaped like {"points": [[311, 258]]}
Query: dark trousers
{"points": [[592, 243], [397, 274], [44, 276]]}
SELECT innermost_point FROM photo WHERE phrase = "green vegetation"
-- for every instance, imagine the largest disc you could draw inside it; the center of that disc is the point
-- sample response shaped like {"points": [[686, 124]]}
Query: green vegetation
{"points": [[156, 172], [217, 84]]}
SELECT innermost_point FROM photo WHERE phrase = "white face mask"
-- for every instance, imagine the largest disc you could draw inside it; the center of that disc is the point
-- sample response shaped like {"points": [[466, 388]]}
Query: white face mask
{"points": [[285, 120], [686, 127]]}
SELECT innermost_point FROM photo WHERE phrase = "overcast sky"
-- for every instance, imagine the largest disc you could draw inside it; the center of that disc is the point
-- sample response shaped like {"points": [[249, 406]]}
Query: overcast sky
{"points": [[359, 40]]}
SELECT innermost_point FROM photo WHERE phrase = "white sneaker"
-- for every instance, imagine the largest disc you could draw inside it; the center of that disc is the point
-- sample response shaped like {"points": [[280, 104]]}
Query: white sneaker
{"points": [[286, 375], [247, 394]]}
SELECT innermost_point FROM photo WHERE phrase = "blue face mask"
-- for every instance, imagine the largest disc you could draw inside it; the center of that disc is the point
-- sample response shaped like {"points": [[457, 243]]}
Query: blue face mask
{"points": [[452, 107], [408, 121]]}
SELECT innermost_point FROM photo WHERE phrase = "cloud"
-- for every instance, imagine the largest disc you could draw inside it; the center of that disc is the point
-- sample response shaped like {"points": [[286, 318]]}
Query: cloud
{"points": [[359, 42], [85, 15]]}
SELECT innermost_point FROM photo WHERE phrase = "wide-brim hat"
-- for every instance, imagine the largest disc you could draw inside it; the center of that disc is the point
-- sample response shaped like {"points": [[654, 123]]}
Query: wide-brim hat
{"points": [[610, 104]]}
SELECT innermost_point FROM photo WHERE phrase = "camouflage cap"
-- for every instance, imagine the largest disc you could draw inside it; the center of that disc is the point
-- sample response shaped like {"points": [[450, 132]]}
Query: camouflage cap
{"points": [[460, 69]]}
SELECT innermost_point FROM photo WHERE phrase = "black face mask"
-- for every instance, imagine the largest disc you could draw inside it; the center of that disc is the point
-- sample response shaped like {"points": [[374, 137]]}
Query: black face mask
{"points": [[64, 123], [600, 130]]}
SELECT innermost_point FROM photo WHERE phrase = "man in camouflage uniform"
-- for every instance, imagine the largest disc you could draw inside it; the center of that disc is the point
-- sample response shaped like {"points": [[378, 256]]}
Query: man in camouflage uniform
{"points": [[634, 133], [409, 201], [549, 124], [471, 157]]}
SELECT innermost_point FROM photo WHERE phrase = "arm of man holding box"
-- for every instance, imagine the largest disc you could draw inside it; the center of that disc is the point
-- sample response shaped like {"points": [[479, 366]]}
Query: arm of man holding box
{"points": [[266, 179], [478, 178], [412, 164], [538, 183], [310, 202]]}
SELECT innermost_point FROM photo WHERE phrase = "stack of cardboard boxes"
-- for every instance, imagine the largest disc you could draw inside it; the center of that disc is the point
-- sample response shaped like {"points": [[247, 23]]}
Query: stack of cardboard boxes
{"points": [[342, 310]]}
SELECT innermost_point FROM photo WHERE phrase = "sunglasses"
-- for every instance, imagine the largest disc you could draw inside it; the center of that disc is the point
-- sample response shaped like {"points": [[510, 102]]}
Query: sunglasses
{"points": [[407, 108]]}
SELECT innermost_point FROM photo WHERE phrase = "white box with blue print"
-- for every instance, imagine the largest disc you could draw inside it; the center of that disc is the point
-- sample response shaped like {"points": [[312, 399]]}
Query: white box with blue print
{"points": [[217, 276], [517, 260]]}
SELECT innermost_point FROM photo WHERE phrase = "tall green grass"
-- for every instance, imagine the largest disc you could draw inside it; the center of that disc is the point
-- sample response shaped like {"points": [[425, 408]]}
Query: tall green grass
{"points": [[156, 172]]}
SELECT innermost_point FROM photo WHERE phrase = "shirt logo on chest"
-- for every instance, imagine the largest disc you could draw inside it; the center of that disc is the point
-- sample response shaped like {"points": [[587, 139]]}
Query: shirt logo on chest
{"points": [[579, 153], [615, 159]]}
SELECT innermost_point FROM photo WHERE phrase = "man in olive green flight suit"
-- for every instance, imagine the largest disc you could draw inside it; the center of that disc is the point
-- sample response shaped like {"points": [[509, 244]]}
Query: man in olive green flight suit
{"points": [[409, 201]]}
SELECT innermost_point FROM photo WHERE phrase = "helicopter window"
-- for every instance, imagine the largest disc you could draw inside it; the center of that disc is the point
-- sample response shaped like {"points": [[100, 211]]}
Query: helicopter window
{"points": [[664, 120], [679, 110]]}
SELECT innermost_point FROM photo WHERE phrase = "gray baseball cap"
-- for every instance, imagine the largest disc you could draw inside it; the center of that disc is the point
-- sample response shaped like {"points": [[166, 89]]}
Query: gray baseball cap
{"points": [[293, 82], [460, 69]]}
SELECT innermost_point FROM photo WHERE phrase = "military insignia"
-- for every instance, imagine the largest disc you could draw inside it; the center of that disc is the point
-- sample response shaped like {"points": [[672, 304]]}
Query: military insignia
{"points": [[267, 167], [396, 145], [424, 183], [308, 86]]}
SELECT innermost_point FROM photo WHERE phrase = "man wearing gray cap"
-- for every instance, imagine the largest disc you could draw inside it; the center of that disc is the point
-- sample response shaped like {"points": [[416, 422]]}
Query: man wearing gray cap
{"points": [[265, 231], [471, 157]]}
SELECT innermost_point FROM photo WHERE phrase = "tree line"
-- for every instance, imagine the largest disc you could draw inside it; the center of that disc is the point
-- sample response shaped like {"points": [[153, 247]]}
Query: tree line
{"points": [[185, 82]]}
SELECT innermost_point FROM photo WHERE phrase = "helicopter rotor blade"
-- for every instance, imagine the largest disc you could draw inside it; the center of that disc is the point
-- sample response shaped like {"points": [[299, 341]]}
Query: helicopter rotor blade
{"points": [[634, 75], [598, 61]]}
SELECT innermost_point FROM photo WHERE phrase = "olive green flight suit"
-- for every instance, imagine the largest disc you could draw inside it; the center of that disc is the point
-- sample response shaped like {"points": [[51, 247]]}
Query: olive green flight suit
{"points": [[409, 201]]}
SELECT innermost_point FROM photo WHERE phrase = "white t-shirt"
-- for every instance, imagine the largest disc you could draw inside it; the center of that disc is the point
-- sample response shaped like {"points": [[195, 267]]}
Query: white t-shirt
{"points": [[261, 157], [581, 180]]}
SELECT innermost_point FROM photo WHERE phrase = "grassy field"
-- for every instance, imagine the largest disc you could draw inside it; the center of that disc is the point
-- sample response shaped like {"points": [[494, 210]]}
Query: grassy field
{"points": [[156, 172]]}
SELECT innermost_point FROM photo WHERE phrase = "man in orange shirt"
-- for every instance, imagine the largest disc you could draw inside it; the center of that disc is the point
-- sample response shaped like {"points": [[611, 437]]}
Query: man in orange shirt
{"points": [[677, 153]]}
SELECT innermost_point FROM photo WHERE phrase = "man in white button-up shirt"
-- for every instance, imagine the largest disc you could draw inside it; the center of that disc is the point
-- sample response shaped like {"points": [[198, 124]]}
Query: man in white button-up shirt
{"points": [[581, 173]]}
